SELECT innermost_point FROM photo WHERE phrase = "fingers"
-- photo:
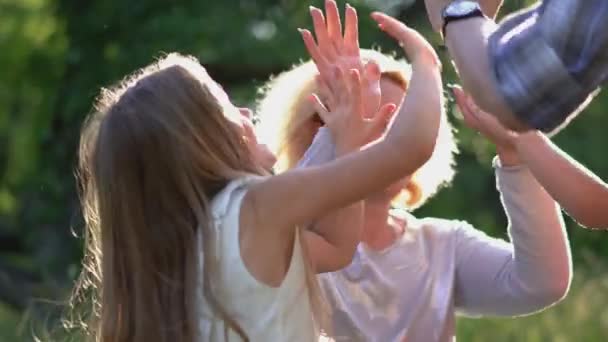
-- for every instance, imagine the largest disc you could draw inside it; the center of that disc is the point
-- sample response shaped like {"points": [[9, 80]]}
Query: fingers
{"points": [[246, 112], [318, 21], [311, 45], [484, 123], [314, 52], [468, 114], [372, 71], [412, 42], [392, 26], [351, 31], [385, 115], [467, 102], [340, 86], [335, 93], [459, 95], [355, 91], [325, 91], [319, 107], [373, 93], [461, 101], [332, 82], [334, 26]]}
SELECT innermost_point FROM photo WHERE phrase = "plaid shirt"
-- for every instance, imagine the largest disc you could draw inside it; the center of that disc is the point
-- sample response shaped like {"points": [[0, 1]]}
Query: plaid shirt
{"points": [[550, 59]]}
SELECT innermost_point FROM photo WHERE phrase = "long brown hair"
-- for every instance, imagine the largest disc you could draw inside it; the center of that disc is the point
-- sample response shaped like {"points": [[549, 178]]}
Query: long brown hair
{"points": [[156, 149]]}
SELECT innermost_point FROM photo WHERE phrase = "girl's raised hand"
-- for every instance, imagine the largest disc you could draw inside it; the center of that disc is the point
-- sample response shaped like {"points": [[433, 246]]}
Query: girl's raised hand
{"points": [[345, 116], [422, 106], [332, 49]]}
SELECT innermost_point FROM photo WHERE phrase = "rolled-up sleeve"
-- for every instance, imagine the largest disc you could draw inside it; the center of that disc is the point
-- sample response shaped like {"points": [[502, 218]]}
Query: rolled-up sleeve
{"points": [[550, 59]]}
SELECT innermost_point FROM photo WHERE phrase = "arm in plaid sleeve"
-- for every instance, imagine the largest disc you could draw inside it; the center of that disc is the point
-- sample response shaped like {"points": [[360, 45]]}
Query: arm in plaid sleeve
{"points": [[542, 64], [549, 61]]}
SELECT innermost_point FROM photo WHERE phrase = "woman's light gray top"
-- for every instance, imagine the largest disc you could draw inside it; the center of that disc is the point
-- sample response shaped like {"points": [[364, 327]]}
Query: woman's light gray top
{"points": [[413, 289]]}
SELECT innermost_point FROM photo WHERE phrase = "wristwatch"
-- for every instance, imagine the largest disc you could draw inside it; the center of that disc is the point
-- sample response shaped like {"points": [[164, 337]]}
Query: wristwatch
{"points": [[458, 10]]}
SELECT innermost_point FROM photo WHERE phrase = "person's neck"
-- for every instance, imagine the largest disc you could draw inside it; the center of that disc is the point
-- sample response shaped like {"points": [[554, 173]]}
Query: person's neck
{"points": [[379, 230]]}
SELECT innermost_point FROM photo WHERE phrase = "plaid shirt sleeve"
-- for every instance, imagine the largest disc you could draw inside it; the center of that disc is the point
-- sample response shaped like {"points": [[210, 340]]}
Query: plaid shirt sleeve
{"points": [[549, 60]]}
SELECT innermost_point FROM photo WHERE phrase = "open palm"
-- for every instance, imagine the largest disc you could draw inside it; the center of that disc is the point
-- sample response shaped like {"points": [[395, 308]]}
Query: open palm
{"points": [[334, 51]]}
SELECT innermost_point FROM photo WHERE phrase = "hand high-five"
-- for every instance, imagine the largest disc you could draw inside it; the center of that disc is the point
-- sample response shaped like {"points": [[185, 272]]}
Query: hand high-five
{"points": [[489, 127], [346, 120], [483, 122], [334, 51]]}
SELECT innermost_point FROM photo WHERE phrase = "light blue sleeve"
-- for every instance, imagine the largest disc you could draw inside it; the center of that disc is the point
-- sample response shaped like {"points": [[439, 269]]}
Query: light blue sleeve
{"points": [[532, 272], [321, 151]]}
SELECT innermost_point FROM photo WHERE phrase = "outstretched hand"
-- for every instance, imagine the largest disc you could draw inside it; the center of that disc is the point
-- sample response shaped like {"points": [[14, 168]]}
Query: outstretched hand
{"points": [[334, 50], [346, 119], [488, 126], [415, 46]]}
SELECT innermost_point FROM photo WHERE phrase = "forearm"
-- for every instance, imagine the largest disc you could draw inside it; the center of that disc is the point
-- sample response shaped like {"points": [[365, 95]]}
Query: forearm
{"points": [[408, 145], [467, 42], [541, 262], [581, 193], [333, 239], [422, 108], [340, 232], [531, 273]]}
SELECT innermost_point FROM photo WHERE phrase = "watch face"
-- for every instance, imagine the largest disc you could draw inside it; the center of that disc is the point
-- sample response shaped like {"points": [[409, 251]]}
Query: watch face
{"points": [[460, 8]]}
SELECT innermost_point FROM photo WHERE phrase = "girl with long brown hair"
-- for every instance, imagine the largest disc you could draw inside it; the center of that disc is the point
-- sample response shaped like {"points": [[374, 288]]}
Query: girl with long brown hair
{"points": [[189, 238]]}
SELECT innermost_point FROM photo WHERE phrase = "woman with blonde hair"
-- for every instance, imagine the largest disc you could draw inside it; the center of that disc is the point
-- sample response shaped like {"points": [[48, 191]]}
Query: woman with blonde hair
{"points": [[288, 124], [411, 275]]}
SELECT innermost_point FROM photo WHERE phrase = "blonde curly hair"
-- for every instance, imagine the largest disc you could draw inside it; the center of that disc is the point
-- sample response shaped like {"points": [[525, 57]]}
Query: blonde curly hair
{"points": [[288, 124]]}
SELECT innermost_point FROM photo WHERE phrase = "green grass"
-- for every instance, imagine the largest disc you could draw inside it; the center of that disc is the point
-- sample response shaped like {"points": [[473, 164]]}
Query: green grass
{"points": [[582, 316], [10, 326]]}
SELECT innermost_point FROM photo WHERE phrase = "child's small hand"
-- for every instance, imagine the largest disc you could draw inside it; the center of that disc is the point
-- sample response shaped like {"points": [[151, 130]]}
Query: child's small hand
{"points": [[488, 126], [345, 113], [415, 46], [334, 50]]}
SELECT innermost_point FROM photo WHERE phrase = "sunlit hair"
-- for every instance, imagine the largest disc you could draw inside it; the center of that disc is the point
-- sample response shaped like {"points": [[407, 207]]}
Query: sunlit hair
{"points": [[288, 124], [158, 147]]}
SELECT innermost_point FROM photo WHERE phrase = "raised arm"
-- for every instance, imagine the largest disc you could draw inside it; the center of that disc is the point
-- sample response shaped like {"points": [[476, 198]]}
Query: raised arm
{"points": [[534, 271], [332, 240], [313, 192], [582, 194], [467, 42]]}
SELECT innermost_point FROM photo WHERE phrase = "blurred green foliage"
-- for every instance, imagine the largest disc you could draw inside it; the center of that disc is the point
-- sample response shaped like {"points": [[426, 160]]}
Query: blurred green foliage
{"points": [[56, 54]]}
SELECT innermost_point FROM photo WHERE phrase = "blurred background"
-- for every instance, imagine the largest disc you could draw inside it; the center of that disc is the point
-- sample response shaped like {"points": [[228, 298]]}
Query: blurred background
{"points": [[56, 54]]}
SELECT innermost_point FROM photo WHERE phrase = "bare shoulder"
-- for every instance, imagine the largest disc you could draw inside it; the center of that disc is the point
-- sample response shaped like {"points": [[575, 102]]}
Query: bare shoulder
{"points": [[265, 251]]}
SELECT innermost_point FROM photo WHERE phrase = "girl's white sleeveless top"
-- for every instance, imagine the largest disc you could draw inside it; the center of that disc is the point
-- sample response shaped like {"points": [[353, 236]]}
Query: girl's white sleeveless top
{"points": [[263, 312]]}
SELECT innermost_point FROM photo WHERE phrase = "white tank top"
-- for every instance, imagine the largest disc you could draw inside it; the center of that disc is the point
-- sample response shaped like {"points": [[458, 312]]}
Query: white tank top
{"points": [[263, 312]]}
